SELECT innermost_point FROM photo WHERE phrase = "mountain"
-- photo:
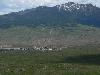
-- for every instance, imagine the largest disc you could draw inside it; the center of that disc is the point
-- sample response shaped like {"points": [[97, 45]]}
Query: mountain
{"points": [[58, 15], [64, 25]]}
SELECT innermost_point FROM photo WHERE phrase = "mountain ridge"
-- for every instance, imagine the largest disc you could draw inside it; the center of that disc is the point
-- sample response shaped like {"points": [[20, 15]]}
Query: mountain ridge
{"points": [[58, 15]]}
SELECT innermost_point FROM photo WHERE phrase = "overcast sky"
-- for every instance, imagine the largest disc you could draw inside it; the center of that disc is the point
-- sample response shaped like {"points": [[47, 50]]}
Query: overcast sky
{"points": [[7, 6]]}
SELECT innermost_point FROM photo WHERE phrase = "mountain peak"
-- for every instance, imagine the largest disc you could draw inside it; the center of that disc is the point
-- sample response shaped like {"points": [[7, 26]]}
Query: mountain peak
{"points": [[74, 6]]}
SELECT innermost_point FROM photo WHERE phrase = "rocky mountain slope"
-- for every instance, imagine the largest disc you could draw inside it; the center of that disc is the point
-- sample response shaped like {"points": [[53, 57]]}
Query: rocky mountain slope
{"points": [[52, 36]]}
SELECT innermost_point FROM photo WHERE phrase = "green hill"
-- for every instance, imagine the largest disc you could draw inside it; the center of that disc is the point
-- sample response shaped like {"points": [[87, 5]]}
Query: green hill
{"points": [[44, 35]]}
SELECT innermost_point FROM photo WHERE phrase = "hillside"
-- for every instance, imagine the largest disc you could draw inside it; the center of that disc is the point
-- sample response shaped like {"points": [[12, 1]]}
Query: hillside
{"points": [[59, 36]]}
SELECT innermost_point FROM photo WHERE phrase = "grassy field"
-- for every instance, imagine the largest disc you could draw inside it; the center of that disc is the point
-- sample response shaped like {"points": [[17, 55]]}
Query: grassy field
{"points": [[81, 60]]}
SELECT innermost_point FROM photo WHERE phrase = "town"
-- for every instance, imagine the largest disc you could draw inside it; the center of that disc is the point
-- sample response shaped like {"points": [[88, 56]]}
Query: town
{"points": [[10, 47]]}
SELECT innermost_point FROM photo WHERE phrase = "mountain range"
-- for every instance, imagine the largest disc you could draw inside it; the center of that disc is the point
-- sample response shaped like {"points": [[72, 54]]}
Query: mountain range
{"points": [[64, 25], [70, 12]]}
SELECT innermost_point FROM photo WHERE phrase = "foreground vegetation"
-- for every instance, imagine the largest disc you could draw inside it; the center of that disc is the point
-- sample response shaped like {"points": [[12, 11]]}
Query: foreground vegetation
{"points": [[82, 60]]}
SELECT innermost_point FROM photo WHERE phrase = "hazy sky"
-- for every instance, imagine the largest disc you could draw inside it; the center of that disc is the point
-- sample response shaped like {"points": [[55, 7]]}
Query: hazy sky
{"points": [[7, 6]]}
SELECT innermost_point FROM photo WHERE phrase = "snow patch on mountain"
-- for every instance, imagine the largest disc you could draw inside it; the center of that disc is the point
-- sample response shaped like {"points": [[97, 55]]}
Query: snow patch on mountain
{"points": [[70, 6]]}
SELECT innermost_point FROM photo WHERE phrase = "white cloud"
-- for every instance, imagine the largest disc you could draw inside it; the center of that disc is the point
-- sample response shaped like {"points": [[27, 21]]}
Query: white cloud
{"points": [[16, 5]]}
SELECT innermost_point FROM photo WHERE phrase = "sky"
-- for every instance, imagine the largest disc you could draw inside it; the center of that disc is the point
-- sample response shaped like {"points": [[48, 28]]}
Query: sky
{"points": [[7, 6]]}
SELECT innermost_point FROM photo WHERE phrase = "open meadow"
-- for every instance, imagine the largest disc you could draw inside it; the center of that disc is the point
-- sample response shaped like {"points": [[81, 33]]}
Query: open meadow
{"points": [[81, 60]]}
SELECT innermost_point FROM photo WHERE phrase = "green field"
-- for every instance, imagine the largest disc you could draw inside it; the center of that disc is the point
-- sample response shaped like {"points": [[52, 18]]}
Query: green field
{"points": [[81, 60]]}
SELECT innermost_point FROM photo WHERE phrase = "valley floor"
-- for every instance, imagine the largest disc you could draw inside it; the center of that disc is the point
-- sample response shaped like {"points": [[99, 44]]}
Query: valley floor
{"points": [[81, 60]]}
